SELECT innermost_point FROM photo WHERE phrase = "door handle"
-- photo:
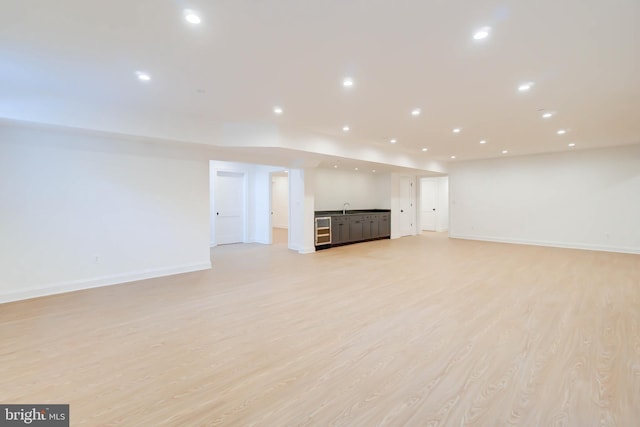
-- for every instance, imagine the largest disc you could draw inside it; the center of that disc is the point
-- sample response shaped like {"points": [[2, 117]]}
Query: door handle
{"points": [[434, 209], [217, 213], [401, 210]]}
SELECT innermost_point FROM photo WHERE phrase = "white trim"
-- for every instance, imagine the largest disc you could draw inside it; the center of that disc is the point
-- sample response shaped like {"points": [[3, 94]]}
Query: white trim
{"points": [[552, 244], [294, 247], [310, 250], [116, 279]]}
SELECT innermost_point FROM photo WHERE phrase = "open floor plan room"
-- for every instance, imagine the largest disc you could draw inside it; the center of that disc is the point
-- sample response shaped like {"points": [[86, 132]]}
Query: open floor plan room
{"points": [[423, 330], [332, 213]]}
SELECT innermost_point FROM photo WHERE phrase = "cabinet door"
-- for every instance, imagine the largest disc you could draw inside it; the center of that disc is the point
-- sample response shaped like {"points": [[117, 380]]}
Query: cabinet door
{"points": [[356, 226], [366, 228], [373, 225], [385, 225], [339, 230]]}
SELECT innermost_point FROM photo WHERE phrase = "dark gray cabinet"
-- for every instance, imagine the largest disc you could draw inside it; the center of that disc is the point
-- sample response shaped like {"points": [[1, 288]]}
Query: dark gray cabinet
{"points": [[339, 229], [356, 228], [384, 225], [370, 227]]}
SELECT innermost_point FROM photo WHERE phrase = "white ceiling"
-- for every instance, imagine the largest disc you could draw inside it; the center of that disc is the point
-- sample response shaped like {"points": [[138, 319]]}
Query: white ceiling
{"points": [[73, 63]]}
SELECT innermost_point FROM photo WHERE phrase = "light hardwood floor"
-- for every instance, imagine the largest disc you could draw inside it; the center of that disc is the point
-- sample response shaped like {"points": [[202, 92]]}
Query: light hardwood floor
{"points": [[279, 235], [418, 331]]}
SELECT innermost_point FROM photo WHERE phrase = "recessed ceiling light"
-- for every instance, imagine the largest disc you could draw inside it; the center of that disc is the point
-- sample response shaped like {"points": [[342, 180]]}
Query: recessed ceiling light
{"points": [[453, 157], [572, 145], [393, 141], [335, 166], [504, 151], [347, 82], [145, 77], [547, 115], [192, 17], [355, 168], [456, 130], [525, 87], [424, 149], [373, 170], [415, 112], [561, 132], [482, 33], [483, 142], [277, 110], [345, 128]]}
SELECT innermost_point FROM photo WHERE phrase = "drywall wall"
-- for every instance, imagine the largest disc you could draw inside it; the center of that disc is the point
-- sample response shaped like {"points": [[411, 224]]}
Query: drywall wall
{"points": [[334, 187], [79, 210], [280, 201], [586, 199], [301, 206]]}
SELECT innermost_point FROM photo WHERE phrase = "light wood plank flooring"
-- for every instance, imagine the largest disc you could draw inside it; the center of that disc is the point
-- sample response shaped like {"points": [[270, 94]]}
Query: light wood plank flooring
{"points": [[279, 235], [418, 331]]}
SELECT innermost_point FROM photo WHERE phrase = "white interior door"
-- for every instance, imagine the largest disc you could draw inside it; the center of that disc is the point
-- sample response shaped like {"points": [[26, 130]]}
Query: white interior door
{"points": [[280, 201], [229, 203], [428, 202], [407, 215]]}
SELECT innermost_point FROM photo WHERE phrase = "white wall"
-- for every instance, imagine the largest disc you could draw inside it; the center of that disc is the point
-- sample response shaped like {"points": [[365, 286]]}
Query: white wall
{"points": [[280, 201], [302, 207], [79, 210], [584, 199], [334, 187]]}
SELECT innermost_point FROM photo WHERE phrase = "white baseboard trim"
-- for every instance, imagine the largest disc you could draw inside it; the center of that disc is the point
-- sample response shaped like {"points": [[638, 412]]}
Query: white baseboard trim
{"points": [[310, 250], [97, 282], [262, 241], [586, 247]]}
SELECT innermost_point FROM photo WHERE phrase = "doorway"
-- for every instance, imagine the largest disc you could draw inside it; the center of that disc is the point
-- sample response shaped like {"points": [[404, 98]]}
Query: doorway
{"points": [[280, 207]]}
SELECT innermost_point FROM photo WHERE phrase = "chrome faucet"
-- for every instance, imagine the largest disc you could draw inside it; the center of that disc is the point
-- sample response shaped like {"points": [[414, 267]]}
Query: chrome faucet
{"points": [[344, 207]]}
